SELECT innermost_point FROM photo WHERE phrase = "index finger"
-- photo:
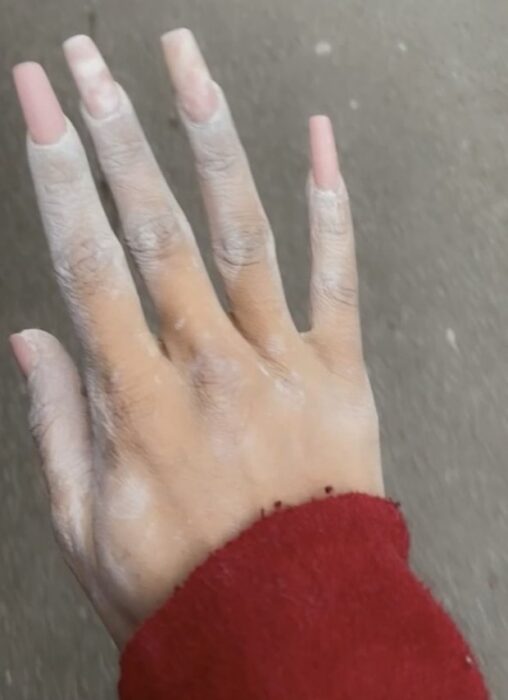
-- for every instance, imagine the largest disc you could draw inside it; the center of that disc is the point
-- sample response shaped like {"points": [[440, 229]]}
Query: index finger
{"points": [[88, 259]]}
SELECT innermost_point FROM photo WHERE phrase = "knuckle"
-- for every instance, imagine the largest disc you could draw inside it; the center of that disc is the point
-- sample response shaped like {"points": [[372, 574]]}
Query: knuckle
{"points": [[340, 295], [155, 237], [331, 291], [85, 263], [121, 150], [121, 402], [215, 369], [217, 377], [218, 159], [330, 231], [242, 243]]}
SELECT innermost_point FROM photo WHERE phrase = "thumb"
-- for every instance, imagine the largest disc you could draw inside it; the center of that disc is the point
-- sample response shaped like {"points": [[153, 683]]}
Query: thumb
{"points": [[59, 423]]}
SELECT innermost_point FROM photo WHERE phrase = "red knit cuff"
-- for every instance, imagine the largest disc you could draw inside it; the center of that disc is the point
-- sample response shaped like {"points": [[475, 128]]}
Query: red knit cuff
{"points": [[312, 602]]}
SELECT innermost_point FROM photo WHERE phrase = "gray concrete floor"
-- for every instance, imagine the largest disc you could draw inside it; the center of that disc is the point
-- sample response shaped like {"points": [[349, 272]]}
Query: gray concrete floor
{"points": [[419, 95]]}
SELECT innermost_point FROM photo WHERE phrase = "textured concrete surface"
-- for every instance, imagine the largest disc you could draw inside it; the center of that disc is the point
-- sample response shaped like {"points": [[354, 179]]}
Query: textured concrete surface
{"points": [[419, 95]]}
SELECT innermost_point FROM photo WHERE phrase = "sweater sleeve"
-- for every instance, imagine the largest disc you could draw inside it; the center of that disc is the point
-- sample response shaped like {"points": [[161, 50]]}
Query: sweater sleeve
{"points": [[314, 602]]}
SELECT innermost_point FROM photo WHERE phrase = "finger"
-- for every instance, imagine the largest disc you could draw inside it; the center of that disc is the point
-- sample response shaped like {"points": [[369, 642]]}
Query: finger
{"points": [[242, 240], [58, 420], [334, 284], [88, 259], [155, 227]]}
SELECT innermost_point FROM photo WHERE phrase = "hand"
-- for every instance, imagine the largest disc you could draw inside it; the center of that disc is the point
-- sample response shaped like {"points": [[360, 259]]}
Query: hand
{"points": [[180, 442]]}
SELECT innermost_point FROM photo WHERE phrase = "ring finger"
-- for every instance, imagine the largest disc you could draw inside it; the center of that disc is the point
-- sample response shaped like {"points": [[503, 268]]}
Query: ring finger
{"points": [[241, 235]]}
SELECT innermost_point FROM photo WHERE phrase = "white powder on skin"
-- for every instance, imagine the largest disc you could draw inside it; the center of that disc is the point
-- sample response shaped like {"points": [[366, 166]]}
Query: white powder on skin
{"points": [[131, 498], [291, 388], [329, 228], [275, 346], [151, 217], [80, 238], [217, 155]]}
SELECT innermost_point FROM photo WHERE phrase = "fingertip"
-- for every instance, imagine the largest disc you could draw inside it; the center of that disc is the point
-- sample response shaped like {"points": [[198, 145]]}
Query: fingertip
{"points": [[319, 119], [189, 74], [75, 41], [177, 35], [319, 124], [43, 115], [323, 152], [96, 85], [23, 352]]}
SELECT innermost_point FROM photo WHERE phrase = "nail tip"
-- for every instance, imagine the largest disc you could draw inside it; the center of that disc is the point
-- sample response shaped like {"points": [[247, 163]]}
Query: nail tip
{"points": [[76, 40], [23, 66], [316, 120], [23, 351], [181, 37], [178, 31], [78, 37]]}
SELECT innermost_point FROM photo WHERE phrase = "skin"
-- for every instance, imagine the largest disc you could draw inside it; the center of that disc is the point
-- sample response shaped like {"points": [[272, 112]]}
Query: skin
{"points": [[168, 447]]}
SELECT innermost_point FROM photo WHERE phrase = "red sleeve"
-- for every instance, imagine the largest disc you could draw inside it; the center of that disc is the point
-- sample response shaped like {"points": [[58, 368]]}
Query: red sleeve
{"points": [[314, 602]]}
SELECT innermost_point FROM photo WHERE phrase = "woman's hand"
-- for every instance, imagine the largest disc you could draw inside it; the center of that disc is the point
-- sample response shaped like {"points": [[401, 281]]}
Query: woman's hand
{"points": [[180, 442]]}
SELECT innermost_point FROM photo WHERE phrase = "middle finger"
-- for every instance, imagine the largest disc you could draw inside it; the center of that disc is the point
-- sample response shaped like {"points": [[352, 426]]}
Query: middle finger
{"points": [[156, 229]]}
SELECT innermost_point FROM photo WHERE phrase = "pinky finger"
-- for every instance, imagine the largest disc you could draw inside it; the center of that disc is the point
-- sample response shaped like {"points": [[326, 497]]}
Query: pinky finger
{"points": [[334, 283]]}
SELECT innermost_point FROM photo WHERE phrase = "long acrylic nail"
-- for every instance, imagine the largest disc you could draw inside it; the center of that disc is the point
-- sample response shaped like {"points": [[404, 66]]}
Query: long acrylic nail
{"points": [[98, 89], [24, 353], [190, 75], [41, 109], [323, 153]]}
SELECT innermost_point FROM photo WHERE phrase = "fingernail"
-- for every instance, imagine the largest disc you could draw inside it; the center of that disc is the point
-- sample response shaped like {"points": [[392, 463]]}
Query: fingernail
{"points": [[323, 153], [190, 75], [96, 85], [24, 353], [41, 109]]}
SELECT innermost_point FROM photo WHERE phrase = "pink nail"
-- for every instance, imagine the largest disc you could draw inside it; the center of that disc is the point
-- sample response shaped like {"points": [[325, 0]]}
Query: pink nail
{"points": [[43, 115], [98, 90], [323, 153], [22, 352], [190, 75]]}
